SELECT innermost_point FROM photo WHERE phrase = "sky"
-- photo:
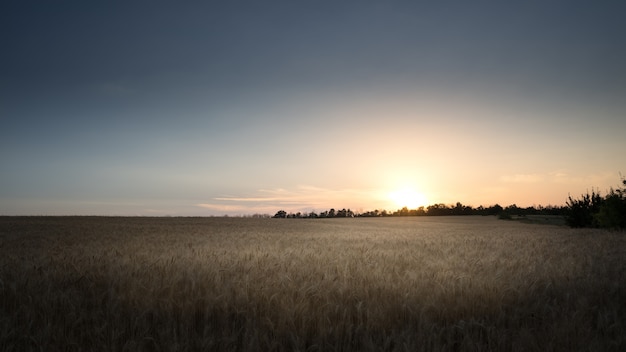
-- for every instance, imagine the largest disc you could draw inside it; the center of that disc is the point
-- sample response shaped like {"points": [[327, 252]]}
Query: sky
{"points": [[240, 107]]}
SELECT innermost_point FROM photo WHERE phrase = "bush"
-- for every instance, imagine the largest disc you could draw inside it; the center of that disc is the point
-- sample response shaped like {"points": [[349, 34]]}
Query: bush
{"points": [[593, 210], [580, 211], [505, 215], [612, 212]]}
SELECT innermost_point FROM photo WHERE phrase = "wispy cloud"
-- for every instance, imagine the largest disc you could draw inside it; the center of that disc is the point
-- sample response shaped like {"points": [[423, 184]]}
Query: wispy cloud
{"points": [[562, 177], [222, 207], [590, 180], [522, 178], [246, 199], [301, 198]]}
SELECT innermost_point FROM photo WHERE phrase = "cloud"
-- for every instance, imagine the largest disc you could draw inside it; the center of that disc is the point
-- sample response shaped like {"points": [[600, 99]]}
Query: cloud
{"points": [[599, 179], [563, 177], [303, 198], [317, 197], [239, 209], [246, 199], [522, 178], [222, 207]]}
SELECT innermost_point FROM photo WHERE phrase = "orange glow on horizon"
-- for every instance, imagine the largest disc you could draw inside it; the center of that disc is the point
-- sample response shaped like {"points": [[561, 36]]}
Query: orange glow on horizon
{"points": [[408, 197]]}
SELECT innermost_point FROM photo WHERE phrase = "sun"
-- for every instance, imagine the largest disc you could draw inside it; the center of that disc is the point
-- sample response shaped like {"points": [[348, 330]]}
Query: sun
{"points": [[408, 197]]}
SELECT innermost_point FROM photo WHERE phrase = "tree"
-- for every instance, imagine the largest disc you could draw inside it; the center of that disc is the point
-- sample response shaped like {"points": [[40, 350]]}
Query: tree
{"points": [[593, 210], [612, 212], [438, 209], [402, 212], [580, 211], [281, 214], [494, 210]]}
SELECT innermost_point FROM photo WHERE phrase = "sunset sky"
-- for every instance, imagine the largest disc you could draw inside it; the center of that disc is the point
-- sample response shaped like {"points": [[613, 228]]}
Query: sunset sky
{"points": [[242, 107]]}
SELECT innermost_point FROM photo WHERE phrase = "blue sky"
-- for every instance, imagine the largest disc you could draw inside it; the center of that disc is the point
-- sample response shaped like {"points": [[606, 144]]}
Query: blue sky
{"points": [[238, 107]]}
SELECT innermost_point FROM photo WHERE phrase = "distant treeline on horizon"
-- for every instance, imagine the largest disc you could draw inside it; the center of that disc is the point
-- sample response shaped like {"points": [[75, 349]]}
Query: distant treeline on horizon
{"points": [[432, 210], [590, 210]]}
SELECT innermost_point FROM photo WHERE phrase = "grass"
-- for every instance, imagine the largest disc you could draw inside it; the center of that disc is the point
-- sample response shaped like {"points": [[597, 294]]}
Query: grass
{"points": [[541, 219], [234, 284]]}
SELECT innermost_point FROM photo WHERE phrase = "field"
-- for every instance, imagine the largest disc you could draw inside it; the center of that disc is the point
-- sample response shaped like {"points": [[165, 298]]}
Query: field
{"points": [[375, 284]]}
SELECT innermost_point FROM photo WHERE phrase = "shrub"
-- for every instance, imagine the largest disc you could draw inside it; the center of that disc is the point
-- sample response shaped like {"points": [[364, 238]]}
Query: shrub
{"points": [[580, 211], [612, 213], [505, 215], [593, 210]]}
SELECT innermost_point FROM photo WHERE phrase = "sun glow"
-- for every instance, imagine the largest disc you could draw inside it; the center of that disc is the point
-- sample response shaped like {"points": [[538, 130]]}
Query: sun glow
{"points": [[408, 197]]}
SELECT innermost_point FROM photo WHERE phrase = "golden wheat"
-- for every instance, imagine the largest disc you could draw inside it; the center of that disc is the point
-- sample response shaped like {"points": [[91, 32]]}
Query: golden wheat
{"points": [[238, 284]]}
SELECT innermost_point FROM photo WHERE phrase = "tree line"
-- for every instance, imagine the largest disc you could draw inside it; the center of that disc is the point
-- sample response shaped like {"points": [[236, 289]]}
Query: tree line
{"points": [[590, 210], [432, 210]]}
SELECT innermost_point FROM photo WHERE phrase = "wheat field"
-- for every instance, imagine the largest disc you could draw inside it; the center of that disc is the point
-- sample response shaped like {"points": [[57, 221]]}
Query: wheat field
{"points": [[375, 284]]}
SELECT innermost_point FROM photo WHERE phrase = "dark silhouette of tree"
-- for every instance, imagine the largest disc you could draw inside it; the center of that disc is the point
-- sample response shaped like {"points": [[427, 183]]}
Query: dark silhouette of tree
{"points": [[438, 210], [402, 212], [371, 213], [459, 208], [494, 210], [280, 214], [581, 210], [344, 213], [593, 210], [612, 213]]}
